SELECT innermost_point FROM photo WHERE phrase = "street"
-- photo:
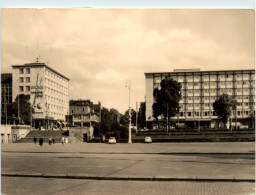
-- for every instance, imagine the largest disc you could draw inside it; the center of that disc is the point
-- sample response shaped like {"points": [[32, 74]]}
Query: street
{"points": [[195, 166]]}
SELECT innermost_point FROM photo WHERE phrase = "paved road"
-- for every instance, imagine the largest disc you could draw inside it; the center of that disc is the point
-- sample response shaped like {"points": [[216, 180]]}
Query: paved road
{"points": [[189, 161], [42, 186]]}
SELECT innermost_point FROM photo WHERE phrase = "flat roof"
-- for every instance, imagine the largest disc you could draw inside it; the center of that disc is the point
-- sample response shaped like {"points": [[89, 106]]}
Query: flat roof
{"points": [[185, 71], [40, 64]]}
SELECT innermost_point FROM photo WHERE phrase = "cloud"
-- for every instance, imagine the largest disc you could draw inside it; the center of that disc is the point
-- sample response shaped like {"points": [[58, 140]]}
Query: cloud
{"points": [[110, 76], [98, 49]]}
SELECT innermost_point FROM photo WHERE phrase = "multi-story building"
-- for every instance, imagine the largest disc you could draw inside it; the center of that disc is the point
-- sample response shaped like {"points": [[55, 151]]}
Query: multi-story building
{"points": [[48, 90], [83, 113], [6, 96], [200, 89]]}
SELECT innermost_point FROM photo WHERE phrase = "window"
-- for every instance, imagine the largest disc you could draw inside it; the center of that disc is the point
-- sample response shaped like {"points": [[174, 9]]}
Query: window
{"points": [[21, 88], [21, 79], [189, 113], [21, 71], [27, 88], [27, 71], [238, 113], [27, 79]]}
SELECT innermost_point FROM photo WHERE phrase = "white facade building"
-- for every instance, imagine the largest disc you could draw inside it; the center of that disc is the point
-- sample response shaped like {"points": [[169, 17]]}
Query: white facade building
{"points": [[48, 90], [200, 89]]}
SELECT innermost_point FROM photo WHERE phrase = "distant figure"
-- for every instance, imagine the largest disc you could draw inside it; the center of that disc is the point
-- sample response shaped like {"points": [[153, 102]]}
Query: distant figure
{"points": [[62, 140], [41, 141], [66, 140], [34, 139], [50, 141], [53, 140]]}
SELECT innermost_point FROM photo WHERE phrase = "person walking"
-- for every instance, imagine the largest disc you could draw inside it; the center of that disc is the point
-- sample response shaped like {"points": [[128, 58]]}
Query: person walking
{"points": [[50, 141], [66, 140], [62, 140], [34, 139], [53, 140], [41, 141]]}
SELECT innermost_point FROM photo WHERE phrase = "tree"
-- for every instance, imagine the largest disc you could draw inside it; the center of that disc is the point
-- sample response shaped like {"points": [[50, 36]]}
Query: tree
{"points": [[142, 115], [223, 107], [166, 99], [24, 108], [125, 118]]}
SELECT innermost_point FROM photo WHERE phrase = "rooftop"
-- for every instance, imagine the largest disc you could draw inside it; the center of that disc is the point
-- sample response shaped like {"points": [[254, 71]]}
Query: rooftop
{"points": [[197, 70], [40, 64]]}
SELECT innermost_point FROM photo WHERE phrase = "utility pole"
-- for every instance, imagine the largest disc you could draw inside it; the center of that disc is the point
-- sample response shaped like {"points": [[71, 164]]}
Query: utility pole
{"points": [[128, 85]]}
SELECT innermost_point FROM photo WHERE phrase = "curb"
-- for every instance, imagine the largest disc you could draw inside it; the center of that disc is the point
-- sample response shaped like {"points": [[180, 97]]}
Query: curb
{"points": [[128, 178], [170, 153]]}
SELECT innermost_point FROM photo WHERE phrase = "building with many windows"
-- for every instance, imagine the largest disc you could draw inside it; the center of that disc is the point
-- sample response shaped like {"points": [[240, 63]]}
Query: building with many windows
{"points": [[6, 96], [48, 90], [200, 89]]}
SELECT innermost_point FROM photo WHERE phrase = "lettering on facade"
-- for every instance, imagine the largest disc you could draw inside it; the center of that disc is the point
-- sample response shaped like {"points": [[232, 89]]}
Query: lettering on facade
{"points": [[37, 87]]}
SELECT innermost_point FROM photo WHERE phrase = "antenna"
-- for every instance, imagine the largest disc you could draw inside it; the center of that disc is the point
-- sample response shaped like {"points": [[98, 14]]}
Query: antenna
{"points": [[38, 59]]}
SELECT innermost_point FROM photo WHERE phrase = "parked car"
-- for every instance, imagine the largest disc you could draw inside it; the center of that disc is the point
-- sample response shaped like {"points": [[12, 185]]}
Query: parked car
{"points": [[148, 140], [112, 140]]}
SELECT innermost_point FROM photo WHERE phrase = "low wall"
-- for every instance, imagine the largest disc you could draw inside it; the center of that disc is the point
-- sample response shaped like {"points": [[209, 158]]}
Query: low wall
{"points": [[12, 133], [77, 134]]}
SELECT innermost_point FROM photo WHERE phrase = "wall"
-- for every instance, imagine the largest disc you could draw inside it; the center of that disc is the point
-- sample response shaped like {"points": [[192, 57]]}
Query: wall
{"points": [[15, 132]]}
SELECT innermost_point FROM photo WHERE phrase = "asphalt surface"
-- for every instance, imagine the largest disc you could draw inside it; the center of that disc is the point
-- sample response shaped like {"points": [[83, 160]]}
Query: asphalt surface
{"points": [[103, 164], [46, 186]]}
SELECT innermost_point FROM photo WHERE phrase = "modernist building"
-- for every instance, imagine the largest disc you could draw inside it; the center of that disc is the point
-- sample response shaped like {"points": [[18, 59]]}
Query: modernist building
{"points": [[6, 96], [48, 90], [83, 113], [200, 89]]}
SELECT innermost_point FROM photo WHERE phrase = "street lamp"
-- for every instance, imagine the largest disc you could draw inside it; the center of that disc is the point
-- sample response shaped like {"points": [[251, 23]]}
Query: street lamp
{"points": [[18, 103], [128, 85]]}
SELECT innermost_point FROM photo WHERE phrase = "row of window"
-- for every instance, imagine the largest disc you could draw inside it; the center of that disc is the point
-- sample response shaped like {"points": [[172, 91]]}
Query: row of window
{"points": [[55, 76], [240, 97], [21, 88], [55, 92], [86, 109], [21, 79], [56, 100], [207, 91], [80, 117], [210, 113], [182, 106], [55, 107], [196, 77], [55, 84], [27, 70], [54, 114]]}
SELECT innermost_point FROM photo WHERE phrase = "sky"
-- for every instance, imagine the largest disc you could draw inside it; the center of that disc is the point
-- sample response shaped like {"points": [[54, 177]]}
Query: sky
{"points": [[99, 49]]}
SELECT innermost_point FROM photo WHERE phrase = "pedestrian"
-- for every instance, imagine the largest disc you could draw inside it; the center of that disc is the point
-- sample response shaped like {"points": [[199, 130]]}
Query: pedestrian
{"points": [[62, 140], [34, 139], [53, 140], [41, 141], [66, 140], [50, 141]]}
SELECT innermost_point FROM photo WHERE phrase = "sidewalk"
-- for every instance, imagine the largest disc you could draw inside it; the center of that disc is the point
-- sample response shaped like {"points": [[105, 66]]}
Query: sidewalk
{"points": [[136, 148]]}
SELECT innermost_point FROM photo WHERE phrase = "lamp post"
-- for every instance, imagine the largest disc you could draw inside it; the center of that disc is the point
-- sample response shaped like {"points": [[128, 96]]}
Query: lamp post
{"points": [[128, 85], [18, 103]]}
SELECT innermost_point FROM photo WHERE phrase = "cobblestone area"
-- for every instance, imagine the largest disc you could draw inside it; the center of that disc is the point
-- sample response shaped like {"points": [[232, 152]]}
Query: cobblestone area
{"points": [[42, 186]]}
